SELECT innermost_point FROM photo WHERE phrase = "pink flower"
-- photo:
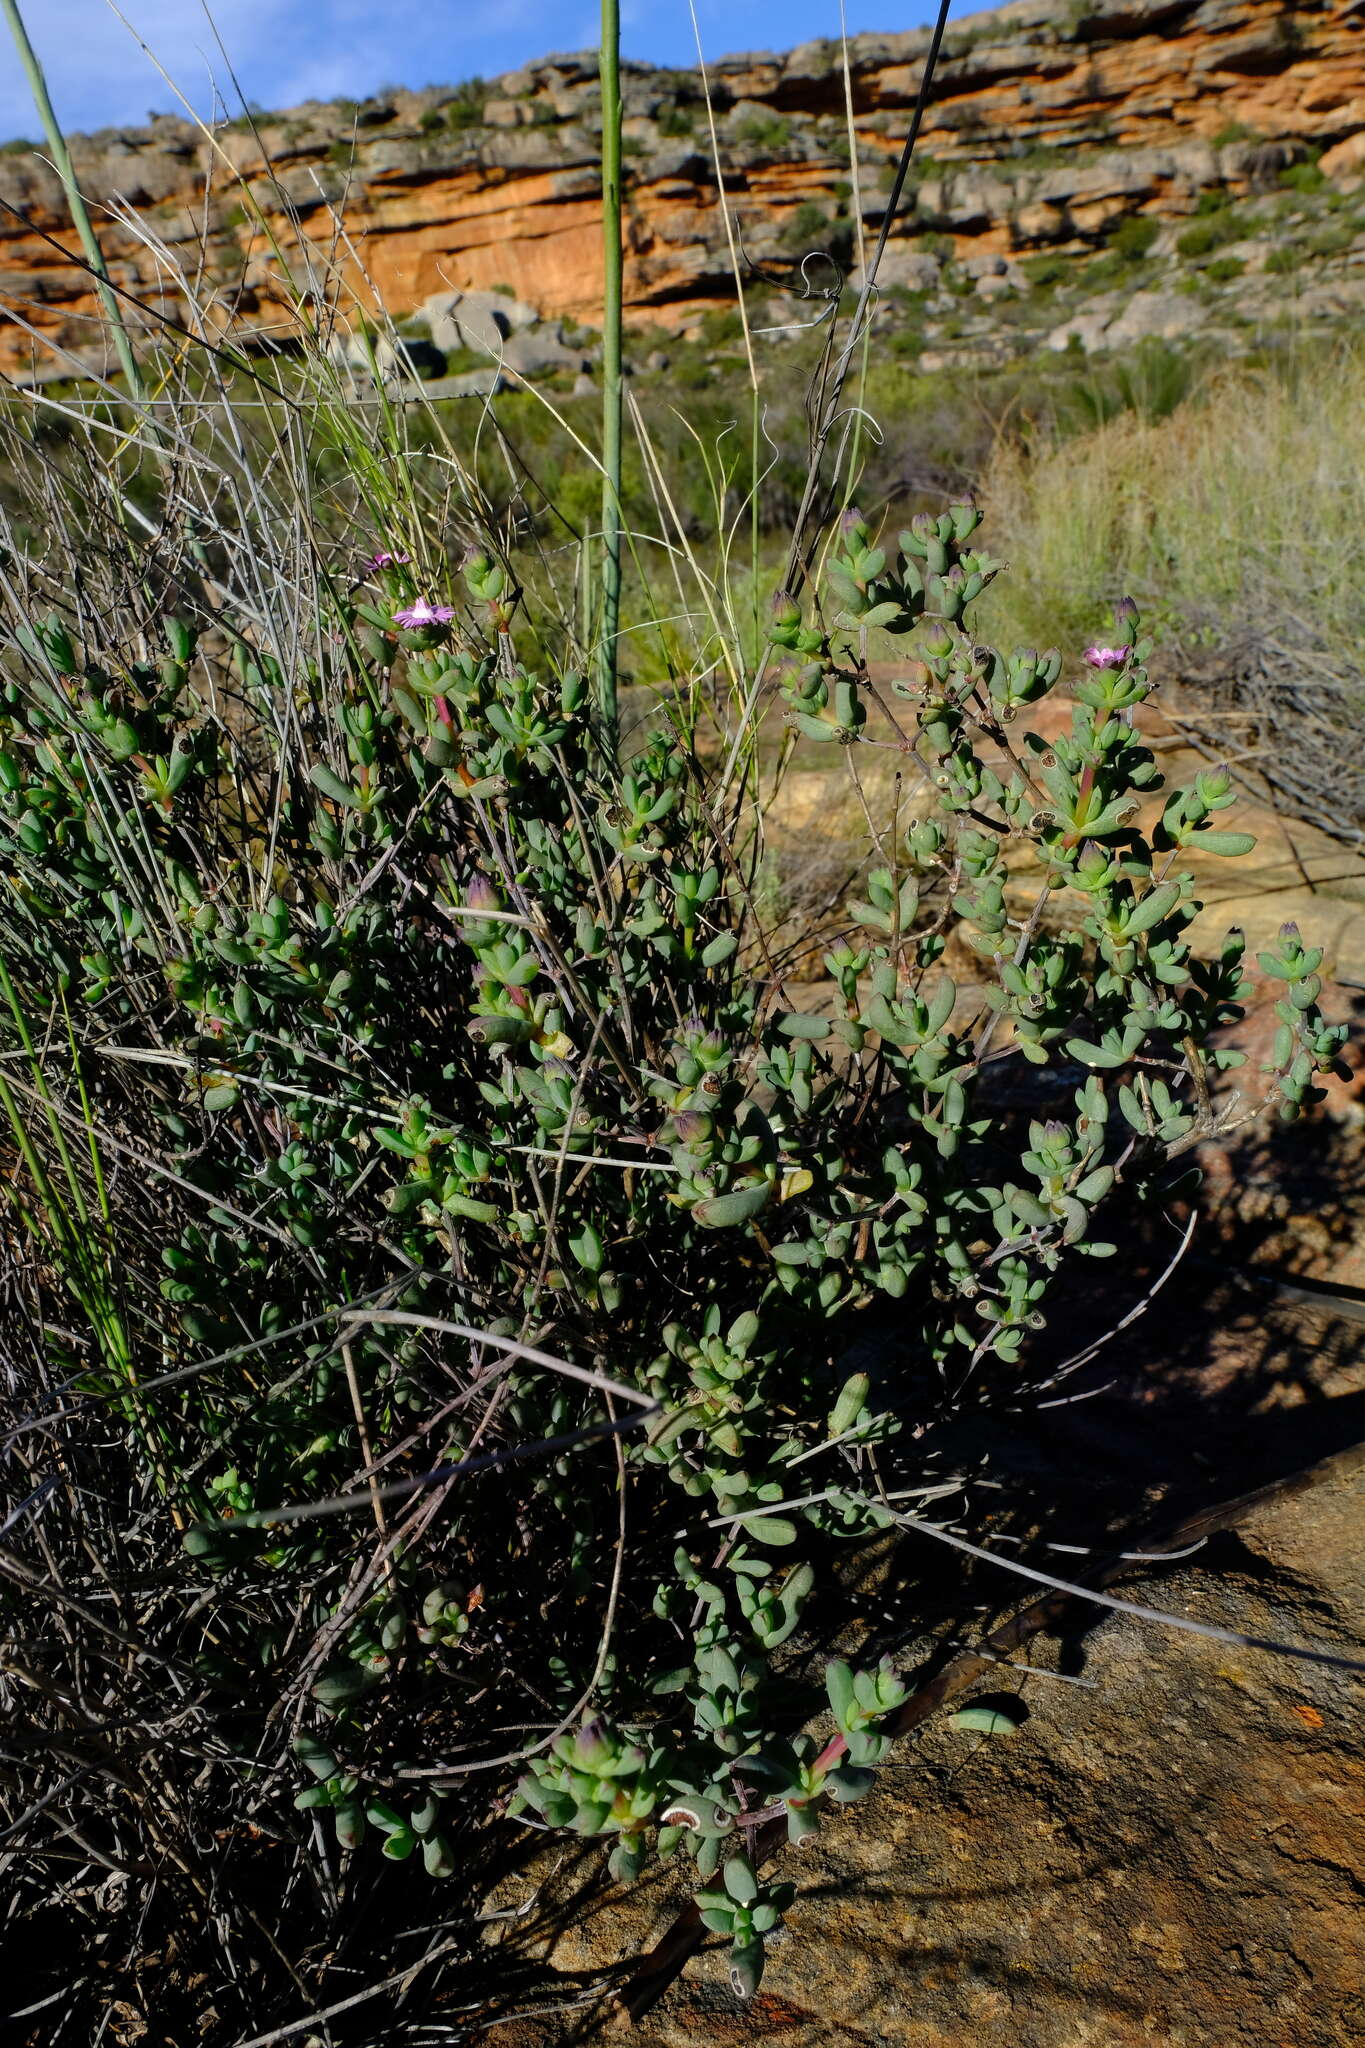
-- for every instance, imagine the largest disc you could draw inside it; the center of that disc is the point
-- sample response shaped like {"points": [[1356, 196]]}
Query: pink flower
{"points": [[419, 613], [1106, 657], [384, 560]]}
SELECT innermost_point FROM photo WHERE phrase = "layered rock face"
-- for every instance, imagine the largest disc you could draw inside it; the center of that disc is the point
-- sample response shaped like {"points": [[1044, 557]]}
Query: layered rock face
{"points": [[1050, 121]]}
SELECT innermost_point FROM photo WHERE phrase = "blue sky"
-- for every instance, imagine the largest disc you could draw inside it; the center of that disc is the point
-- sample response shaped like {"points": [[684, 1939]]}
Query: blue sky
{"points": [[284, 51]]}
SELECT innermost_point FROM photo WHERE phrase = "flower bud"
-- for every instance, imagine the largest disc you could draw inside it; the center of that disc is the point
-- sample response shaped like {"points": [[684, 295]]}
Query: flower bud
{"points": [[480, 894], [692, 1126]]}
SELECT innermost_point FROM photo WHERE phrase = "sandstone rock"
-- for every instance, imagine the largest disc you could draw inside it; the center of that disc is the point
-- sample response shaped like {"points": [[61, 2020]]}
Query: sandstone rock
{"points": [[680, 161], [1342, 296], [1253, 254], [934, 359], [1036, 224], [1163, 1855], [1345, 158], [392, 157], [1109, 323], [966, 203], [1114, 177], [410, 357], [477, 320], [1084, 330], [469, 384], [1257, 50], [746, 112], [913, 269], [991, 264], [1167, 1852], [532, 352], [1152, 314]]}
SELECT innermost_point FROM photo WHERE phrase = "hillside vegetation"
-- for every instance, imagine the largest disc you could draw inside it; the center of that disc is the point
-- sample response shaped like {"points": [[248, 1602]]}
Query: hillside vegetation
{"points": [[505, 1271]]}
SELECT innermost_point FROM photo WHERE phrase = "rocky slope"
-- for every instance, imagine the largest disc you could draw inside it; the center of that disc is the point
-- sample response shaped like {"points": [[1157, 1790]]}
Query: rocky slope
{"points": [[1053, 122]]}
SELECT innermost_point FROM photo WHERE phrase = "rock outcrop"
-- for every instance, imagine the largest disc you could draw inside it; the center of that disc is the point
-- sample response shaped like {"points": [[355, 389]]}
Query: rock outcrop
{"points": [[1051, 120]]}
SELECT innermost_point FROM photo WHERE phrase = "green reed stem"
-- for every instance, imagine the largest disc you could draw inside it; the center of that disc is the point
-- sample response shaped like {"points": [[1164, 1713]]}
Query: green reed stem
{"points": [[80, 215], [611, 371]]}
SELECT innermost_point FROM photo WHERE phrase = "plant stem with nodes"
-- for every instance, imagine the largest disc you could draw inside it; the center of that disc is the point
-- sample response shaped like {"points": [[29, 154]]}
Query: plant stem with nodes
{"points": [[610, 65], [75, 199]]}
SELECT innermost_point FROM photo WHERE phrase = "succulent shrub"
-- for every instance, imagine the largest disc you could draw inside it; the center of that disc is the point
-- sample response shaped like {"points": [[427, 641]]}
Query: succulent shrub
{"points": [[483, 1180]]}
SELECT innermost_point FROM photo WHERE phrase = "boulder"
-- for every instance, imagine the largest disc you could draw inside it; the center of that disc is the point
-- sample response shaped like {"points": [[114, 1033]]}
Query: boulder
{"points": [[1252, 255], [1040, 222], [912, 269], [472, 384], [533, 352], [1112, 322], [1344, 159], [1085, 330], [1131, 176], [412, 357], [475, 320], [988, 264], [1154, 315]]}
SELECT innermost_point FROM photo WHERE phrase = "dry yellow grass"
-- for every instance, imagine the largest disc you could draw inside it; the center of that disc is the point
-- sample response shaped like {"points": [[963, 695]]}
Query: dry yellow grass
{"points": [[1245, 506]]}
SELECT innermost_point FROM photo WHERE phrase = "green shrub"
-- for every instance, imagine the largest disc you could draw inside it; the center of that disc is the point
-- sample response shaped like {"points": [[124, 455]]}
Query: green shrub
{"points": [[1223, 269], [1284, 260], [1129, 243], [470, 1306], [1305, 177], [692, 372], [764, 131], [675, 119], [1134, 235], [807, 226], [1043, 272], [1333, 240], [1211, 232], [462, 1056], [465, 108], [721, 327], [1104, 271]]}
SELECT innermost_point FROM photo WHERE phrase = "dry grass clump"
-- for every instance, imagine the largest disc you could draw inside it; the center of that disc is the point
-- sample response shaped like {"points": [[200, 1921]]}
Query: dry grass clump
{"points": [[1239, 523]]}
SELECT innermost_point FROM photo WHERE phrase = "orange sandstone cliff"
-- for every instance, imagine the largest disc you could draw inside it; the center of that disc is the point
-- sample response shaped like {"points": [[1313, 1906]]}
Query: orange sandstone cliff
{"points": [[1049, 119]]}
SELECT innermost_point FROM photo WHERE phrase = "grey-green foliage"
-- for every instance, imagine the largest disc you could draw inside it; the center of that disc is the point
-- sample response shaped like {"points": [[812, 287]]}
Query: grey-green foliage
{"points": [[444, 1007]]}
